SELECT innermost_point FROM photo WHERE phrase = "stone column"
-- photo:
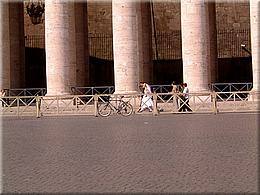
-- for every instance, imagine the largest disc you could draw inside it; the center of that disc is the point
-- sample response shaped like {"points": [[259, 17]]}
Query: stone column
{"points": [[17, 46], [145, 44], [125, 15], [213, 49], [255, 42], [86, 47], [195, 44], [4, 46], [12, 49], [82, 55], [60, 46]]}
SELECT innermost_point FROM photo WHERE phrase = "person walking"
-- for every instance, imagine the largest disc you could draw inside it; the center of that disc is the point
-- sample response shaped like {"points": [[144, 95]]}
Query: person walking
{"points": [[146, 101], [2, 95], [175, 91], [185, 99]]}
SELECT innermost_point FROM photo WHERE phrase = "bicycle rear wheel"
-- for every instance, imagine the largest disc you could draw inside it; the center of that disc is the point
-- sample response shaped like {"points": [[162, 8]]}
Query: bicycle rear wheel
{"points": [[104, 110], [126, 109]]}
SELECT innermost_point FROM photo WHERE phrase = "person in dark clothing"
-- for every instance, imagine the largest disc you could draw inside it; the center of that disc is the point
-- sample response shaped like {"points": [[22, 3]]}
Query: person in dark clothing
{"points": [[185, 99]]}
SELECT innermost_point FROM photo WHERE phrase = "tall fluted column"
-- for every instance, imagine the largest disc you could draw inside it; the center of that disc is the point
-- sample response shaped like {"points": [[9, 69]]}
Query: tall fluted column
{"points": [[145, 43], [82, 54], [195, 44], [60, 46], [255, 42], [126, 14], [4, 46]]}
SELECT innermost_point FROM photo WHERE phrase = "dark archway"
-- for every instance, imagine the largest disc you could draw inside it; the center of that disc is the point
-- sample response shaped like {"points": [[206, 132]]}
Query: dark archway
{"points": [[35, 68]]}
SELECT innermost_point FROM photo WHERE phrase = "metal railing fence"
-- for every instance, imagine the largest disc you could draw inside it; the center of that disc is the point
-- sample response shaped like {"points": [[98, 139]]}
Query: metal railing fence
{"points": [[111, 89], [197, 102], [17, 106], [163, 103], [237, 101], [66, 105], [25, 92], [163, 88], [93, 90], [229, 87], [217, 87]]}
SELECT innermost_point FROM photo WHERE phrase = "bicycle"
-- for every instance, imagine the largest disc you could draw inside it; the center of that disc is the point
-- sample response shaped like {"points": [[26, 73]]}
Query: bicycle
{"points": [[121, 107]]}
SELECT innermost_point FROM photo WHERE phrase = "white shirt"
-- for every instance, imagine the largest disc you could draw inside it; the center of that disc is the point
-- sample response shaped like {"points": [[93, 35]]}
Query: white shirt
{"points": [[174, 89], [2, 93], [186, 92]]}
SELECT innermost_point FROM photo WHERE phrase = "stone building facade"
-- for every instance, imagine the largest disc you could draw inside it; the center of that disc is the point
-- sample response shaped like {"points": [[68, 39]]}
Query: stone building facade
{"points": [[167, 19], [232, 14], [232, 22]]}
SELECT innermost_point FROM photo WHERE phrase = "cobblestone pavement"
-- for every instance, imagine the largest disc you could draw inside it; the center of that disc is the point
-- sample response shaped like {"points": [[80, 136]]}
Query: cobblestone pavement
{"points": [[193, 153]]}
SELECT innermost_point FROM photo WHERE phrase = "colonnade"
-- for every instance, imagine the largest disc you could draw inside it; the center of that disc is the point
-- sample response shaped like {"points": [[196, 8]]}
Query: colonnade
{"points": [[12, 49], [67, 45]]}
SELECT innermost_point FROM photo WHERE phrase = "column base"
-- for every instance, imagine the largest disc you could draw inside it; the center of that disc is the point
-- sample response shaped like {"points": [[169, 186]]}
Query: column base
{"points": [[126, 92], [254, 96], [58, 94]]}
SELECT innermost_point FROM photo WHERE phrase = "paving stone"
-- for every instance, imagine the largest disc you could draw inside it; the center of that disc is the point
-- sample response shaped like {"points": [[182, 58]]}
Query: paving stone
{"points": [[163, 154]]}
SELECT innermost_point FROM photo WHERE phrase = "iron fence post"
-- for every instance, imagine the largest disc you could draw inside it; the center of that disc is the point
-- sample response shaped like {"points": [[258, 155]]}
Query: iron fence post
{"points": [[37, 106], [58, 106], [155, 110], [214, 98], [96, 105], [18, 106]]}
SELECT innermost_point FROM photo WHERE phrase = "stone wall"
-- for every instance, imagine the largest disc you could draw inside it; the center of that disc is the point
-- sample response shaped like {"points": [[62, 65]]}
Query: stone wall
{"points": [[100, 17], [233, 15], [233, 25], [29, 28], [167, 17]]}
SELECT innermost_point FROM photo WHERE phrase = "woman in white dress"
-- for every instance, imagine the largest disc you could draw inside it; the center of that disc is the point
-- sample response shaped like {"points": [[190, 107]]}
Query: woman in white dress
{"points": [[147, 101]]}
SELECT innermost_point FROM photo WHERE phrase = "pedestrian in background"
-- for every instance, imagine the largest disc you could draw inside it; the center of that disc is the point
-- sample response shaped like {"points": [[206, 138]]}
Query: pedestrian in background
{"points": [[175, 92], [185, 99], [2, 95], [146, 101]]}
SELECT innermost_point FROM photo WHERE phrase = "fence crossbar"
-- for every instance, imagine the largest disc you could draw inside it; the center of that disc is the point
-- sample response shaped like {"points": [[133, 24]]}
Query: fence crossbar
{"points": [[164, 102]]}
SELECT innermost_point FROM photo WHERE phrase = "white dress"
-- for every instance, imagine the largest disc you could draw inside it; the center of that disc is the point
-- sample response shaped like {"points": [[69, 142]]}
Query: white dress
{"points": [[147, 101]]}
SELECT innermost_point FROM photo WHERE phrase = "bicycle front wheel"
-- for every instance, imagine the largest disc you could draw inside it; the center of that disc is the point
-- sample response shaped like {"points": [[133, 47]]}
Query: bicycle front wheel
{"points": [[126, 109], [104, 110]]}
